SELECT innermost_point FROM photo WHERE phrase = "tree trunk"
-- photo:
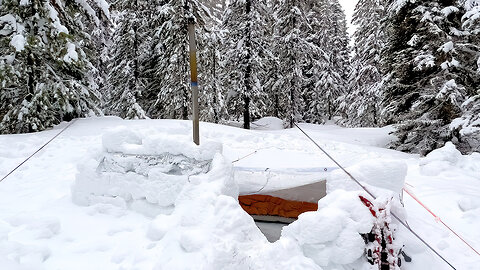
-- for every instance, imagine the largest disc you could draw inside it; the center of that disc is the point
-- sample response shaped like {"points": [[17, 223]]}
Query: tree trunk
{"points": [[246, 113], [216, 106], [184, 68], [292, 104], [276, 111], [31, 81], [31, 76], [248, 85], [329, 110]]}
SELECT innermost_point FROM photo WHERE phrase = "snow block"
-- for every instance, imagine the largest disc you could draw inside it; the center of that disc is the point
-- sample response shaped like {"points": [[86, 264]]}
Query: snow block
{"points": [[383, 174], [143, 172]]}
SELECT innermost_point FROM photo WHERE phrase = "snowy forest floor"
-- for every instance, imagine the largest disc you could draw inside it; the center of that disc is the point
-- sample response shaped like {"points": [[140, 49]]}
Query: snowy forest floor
{"points": [[41, 228]]}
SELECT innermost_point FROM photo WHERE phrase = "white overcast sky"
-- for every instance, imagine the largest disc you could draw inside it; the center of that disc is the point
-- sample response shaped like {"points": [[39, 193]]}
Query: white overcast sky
{"points": [[348, 6]]}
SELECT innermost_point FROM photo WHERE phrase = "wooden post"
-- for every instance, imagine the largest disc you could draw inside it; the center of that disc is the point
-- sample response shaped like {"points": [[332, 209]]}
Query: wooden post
{"points": [[194, 80]]}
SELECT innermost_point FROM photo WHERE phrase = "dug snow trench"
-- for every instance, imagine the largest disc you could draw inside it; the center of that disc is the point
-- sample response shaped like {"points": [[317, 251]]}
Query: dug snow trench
{"points": [[191, 192], [41, 227]]}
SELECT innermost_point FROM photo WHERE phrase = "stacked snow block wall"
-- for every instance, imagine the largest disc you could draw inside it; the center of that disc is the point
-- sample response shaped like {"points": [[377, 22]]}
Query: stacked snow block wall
{"points": [[145, 173]]}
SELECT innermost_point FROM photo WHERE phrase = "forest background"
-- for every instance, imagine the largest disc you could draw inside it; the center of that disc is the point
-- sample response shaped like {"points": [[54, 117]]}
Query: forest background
{"points": [[413, 64]]}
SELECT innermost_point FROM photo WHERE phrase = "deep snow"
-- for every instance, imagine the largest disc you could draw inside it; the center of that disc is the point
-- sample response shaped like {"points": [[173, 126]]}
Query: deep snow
{"points": [[41, 228]]}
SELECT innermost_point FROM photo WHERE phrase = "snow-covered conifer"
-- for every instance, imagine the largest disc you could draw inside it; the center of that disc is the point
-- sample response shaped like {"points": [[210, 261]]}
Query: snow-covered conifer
{"points": [[42, 46], [126, 79], [361, 105], [327, 61], [339, 43], [169, 59], [245, 51], [291, 47], [216, 7], [212, 101], [425, 86], [100, 28], [466, 129]]}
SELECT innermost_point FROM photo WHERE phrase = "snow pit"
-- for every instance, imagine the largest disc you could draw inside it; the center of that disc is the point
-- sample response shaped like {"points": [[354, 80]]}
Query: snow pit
{"points": [[190, 193]]}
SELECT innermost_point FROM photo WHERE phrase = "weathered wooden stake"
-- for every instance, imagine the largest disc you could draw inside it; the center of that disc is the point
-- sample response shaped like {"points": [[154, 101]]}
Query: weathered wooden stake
{"points": [[194, 80]]}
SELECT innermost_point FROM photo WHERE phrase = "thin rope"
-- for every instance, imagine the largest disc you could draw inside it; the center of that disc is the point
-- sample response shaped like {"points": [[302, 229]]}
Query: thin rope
{"points": [[39, 149], [266, 183], [253, 153], [366, 190], [437, 218]]}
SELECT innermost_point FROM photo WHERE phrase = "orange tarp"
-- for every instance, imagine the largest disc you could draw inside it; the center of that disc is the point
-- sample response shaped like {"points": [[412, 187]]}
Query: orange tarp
{"points": [[266, 205]]}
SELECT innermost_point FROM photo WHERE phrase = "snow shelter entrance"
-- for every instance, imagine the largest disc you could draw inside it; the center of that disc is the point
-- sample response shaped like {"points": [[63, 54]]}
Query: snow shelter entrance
{"points": [[275, 209]]}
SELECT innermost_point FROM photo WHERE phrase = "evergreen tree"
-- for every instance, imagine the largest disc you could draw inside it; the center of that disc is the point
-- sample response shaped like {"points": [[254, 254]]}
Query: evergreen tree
{"points": [[466, 129], [361, 104], [100, 27], [316, 94], [212, 101], [126, 78], [43, 65], [424, 91], [328, 60], [246, 49], [168, 63], [217, 8], [276, 98], [339, 44], [291, 48]]}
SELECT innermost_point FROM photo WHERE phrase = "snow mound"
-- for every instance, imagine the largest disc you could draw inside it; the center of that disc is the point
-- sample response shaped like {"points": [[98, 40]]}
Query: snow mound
{"points": [[381, 174], [207, 228], [268, 123], [331, 236], [448, 159], [15, 253], [141, 171], [469, 203]]}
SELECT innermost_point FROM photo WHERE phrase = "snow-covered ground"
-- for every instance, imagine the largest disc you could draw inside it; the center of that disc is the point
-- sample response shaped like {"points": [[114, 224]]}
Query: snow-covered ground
{"points": [[42, 228]]}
